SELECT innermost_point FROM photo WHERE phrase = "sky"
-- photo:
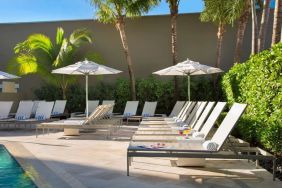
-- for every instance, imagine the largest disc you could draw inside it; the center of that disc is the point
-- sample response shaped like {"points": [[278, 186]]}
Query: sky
{"points": [[14, 11]]}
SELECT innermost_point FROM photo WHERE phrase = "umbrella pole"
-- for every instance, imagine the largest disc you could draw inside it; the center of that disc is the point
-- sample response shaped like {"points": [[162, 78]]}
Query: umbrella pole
{"points": [[188, 80], [86, 93]]}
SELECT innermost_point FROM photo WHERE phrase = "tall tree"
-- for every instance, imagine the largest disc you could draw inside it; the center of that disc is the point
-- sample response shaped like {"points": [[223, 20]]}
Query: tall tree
{"points": [[221, 12], [173, 6], [242, 24], [37, 54], [115, 12], [254, 28], [263, 25], [276, 31]]}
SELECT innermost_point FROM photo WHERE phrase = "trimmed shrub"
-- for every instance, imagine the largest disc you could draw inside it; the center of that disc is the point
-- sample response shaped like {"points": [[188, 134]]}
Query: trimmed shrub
{"points": [[258, 82], [148, 89]]}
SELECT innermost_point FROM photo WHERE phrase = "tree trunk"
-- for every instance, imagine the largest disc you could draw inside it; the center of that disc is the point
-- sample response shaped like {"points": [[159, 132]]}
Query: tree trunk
{"points": [[220, 34], [254, 28], [263, 25], [64, 86], [242, 24], [173, 19], [120, 25], [276, 32]]}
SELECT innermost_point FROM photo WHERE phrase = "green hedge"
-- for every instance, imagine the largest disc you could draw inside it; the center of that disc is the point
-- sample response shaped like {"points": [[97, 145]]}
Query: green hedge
{"points": [[149, 89], [258, 82]]}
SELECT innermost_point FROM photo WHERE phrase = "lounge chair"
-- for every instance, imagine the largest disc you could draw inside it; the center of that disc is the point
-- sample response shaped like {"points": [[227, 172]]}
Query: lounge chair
{"points": [[34, 108], [177, 108], [203, 149], [112, 102], [148, 111], [172, 134], [5, 108], [59, 108], [129, 110], [94, 121], [92, 105]]}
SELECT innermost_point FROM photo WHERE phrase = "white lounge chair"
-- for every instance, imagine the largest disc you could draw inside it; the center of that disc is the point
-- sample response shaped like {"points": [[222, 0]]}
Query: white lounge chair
{"points": [[71, 126], [34, 108], [5, 108], [59, 107], [92, 105], [148, 111], [177, 108], [130, 108], [112, 102]]}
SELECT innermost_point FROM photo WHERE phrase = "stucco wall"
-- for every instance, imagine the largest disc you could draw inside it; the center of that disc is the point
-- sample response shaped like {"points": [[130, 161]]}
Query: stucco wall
{"points": [[148, 38]]}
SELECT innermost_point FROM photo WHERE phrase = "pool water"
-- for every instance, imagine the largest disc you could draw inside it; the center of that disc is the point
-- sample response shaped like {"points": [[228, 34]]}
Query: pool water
{"points": [[11, 173]]}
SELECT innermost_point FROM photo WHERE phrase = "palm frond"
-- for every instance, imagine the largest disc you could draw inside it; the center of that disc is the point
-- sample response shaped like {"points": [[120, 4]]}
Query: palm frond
{"points": [[22, 65], [59, 36], [80, 36], [41, 42], [222, 11]]}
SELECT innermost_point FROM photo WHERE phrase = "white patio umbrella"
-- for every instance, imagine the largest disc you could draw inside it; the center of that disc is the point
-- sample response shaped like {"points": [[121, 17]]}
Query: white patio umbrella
{"points": [[7, 76], [188, 68], [86, 68]]}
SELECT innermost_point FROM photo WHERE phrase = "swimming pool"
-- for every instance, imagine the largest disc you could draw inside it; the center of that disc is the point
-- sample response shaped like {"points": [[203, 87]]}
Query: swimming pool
{"points": [[11, 173]]}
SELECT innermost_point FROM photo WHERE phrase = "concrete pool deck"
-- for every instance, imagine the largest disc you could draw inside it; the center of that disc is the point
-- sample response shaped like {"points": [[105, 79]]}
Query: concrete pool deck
{"points": [[90, 161]]}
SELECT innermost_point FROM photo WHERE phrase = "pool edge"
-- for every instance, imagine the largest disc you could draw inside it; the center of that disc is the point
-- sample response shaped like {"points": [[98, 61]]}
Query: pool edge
{"points": [[33, 166]]}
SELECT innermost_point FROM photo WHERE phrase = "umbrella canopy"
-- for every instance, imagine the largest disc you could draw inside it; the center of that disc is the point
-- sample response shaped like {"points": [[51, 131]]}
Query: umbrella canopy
{"points": [[86, 68], [7, 76], [188, 68]]}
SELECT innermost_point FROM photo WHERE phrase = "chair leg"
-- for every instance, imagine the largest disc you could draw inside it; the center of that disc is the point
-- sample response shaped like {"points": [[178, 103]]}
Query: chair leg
{"points": [[128, 163], [274, 169], [257, 162]]}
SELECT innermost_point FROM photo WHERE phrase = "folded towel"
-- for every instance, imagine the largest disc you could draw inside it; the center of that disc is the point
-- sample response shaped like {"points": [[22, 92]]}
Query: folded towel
{"points": [[210, 146], [198, 135]]}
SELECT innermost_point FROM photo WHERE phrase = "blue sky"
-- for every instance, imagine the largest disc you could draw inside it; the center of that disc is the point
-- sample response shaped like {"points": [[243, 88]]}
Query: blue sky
{"points": [[50, 10]]}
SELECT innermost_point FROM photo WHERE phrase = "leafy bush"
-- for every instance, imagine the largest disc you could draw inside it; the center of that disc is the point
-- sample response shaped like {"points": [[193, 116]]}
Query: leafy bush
{"points": [[258, 82], [149, 89], [48, 92]]}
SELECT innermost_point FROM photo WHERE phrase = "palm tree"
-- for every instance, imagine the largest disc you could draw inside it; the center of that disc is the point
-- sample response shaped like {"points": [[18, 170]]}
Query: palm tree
{"points": [[242, 24], [37, 54], [276, 31], [173, 6], [254, 28], [221, 12], [115, 12], [263, 25]]}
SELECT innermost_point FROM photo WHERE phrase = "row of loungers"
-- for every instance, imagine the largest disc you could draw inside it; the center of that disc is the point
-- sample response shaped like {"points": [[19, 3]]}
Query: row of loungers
{"points": [[30, 112], [159, 137]]}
